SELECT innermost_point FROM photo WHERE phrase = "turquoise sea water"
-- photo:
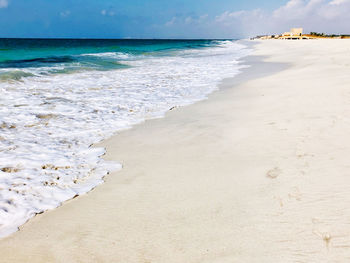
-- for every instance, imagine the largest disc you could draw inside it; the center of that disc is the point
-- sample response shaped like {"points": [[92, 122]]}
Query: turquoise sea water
{"points": [[58, 97], [31, 57]]}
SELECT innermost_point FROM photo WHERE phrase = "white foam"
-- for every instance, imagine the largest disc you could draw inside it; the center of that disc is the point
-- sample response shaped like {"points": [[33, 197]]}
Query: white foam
{"points": [[114, 55], [49, 122]]}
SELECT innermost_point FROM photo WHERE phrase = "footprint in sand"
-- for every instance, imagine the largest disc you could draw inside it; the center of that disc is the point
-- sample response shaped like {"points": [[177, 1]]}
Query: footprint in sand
{"points": [[274, 173], [295, 194], [324, 235]]}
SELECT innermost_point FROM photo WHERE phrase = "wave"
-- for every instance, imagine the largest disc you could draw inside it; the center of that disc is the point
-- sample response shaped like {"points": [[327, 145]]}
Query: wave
{"points": [[35, 62], [14, 75], [113, 55], [60, 65]]}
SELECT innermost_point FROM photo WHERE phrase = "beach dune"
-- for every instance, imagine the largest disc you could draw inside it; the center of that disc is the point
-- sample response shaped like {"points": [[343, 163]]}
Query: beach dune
{"points": [[259, 172]]}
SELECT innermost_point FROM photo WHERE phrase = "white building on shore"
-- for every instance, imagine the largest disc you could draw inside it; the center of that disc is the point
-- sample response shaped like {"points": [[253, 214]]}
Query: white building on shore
{"points": [[295, 33]]}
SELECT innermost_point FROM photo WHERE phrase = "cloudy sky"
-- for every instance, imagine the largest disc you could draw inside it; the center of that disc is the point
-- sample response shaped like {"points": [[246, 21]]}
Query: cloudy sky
{"points": [[169, 18]]}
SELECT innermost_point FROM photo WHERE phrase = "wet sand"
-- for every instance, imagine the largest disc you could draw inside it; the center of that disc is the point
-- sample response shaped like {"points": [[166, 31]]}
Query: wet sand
{"points": [[259, 172]]}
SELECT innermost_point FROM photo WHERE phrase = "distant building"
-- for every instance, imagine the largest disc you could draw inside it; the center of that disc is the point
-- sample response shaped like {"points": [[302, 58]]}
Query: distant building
{"points": [[293, 32], [296, 31]]}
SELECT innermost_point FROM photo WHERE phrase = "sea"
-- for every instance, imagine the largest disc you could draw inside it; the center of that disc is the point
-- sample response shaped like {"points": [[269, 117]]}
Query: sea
{"points": [[58, 97]]}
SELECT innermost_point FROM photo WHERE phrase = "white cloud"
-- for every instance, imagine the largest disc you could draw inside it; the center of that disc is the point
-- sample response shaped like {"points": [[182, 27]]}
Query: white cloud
{"points": [[65, 13], [104, 12], [171, 22], [203, 17], [229, 16], [339, 2], [4, 3], [232, 17], [325, 16], [196, 19], [314, 15], [190, 20]]}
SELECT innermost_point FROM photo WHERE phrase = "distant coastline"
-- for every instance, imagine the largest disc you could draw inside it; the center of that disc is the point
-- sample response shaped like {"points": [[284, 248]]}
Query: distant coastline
{"points": [[297, 34]]}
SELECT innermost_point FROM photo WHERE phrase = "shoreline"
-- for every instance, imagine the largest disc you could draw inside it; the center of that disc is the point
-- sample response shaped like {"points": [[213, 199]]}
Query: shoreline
{"points": [[242, 176], [96, 111], [223, 84]]}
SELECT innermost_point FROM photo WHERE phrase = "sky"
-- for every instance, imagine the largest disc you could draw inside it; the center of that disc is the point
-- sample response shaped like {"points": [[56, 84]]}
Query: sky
{"points": [[169, 18]]}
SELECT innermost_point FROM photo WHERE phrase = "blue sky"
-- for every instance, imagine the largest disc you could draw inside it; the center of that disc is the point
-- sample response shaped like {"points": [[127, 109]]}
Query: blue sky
{"points": [[168, 18]]}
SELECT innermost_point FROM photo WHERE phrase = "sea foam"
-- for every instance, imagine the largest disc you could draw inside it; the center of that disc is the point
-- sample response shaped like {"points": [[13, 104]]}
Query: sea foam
{"points": [[49, 122]]}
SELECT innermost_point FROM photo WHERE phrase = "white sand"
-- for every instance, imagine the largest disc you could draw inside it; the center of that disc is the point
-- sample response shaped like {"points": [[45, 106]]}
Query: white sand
{"points": [[260, 172]]}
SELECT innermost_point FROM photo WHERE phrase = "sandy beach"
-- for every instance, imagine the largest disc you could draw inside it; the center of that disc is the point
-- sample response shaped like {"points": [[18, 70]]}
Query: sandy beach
{"points": [[259, 172]]}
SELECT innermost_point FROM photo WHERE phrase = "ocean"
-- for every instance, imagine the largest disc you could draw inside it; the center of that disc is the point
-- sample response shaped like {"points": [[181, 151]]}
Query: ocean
{"points": [[60, 96]]}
